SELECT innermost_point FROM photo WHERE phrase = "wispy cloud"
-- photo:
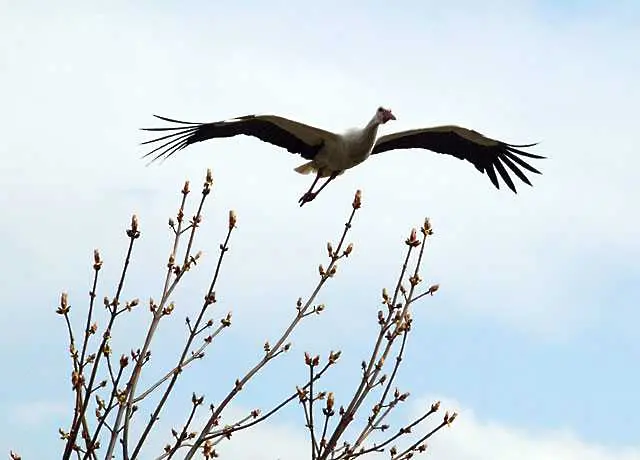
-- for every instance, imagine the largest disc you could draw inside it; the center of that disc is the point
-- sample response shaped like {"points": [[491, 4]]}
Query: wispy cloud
{"points": [[477, 437], [471, 436]]}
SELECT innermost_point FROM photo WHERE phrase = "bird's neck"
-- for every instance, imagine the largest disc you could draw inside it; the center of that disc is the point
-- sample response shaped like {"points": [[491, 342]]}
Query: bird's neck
{"points": [[371, 128], [365, 136], [373, 124]]}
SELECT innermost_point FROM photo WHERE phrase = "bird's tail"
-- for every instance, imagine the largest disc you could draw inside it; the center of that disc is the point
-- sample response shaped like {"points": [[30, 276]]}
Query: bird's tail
{"points": [[306, 168]]}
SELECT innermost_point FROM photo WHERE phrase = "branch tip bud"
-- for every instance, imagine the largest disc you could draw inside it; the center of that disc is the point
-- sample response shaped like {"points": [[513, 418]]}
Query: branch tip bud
{"points": [[357, 200]]}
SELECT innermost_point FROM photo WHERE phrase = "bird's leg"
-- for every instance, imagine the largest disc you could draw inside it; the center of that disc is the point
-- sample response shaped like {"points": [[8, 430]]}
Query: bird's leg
{"points": [[311, 195], [331, 177]]}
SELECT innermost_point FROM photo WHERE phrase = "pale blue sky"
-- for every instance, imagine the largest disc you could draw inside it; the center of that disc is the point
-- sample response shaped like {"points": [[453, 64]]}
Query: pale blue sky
{"points": [[540, 290]]}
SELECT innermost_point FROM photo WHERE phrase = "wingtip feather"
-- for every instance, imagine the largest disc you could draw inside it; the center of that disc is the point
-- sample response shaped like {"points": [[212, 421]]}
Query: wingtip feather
{"points": [[516, 149], [513, 167], [492, 175], [172, 120], [523, 146], [505, 175]]}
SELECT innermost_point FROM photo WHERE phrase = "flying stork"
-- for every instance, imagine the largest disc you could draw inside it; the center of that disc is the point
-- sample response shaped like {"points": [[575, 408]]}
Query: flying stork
{"points": [[330, 154]]}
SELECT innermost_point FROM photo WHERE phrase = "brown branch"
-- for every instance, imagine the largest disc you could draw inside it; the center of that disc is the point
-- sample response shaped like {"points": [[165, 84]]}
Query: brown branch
{"points": [[403, 320], [377, 417], [208, 301], [113, 400], [397, 322], [180, 367], [305, 410], [432, 289], [97, 264], [403, 327], [176, 241], [78, 364], [324, 276], [133, 233], [77, 376], [401, 432], [404, 454], [347, 417], [195, 402], [314, 446], [228, 430], [185, 267], [268, 414], [328, 413], [402, 324], [125, 410]]}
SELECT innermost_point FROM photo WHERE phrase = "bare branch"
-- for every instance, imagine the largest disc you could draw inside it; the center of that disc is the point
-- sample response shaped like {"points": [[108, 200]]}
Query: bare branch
{"points": [[280, 342], [209, 299], [133, 233], [116, 396]]}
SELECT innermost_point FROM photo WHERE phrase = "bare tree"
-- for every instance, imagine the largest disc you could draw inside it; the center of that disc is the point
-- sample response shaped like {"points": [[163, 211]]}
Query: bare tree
{"points": [[108, 394]]}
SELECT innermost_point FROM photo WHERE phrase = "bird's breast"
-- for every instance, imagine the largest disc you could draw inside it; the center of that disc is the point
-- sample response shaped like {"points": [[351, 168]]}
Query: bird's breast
{"points": [[350, 151]]}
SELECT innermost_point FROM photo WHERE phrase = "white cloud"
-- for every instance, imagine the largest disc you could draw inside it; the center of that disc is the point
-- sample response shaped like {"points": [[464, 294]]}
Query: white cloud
{"points": [[471, 436]]}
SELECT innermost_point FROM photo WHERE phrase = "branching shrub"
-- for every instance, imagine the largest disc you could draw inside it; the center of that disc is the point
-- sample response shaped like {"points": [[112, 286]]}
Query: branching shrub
{"points": [[108, 393]]}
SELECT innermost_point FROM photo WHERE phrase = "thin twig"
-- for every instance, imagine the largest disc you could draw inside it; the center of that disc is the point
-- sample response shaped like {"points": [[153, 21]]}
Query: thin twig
{"points": [[374, 367], [403, 323], [347, 417], [196, 402], [92, 297], [180, 367], [413, 446], [268, 414], [314, 447], [302, 310], [401, 432], [125, 410], [205, 192], [109, 407], [133, 234]]}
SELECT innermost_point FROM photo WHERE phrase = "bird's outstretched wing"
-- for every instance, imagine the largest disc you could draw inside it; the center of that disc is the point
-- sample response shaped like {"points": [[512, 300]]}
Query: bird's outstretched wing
{"points": [[487, 155], [291, 135]]}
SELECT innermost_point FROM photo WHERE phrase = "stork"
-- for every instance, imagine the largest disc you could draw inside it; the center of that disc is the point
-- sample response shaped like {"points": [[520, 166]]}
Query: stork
{"points": [[329, 154]]}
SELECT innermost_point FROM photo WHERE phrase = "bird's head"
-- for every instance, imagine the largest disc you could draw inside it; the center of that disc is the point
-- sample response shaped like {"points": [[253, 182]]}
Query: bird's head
{"points": [[384, 115]]}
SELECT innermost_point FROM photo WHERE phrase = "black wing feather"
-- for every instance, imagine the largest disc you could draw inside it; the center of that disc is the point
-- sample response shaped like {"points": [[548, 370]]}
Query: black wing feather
{"points": [[486, 157], [505, 176], [515, 170], [521, 162], [492, 175], [248, 125]]}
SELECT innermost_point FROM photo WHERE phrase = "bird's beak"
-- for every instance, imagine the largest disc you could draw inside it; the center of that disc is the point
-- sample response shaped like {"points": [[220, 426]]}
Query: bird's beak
{"points": [[388, 116]]}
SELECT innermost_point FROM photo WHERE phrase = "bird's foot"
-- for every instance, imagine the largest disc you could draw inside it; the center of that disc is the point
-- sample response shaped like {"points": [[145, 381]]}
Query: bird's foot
{"points": [[309, 196]]}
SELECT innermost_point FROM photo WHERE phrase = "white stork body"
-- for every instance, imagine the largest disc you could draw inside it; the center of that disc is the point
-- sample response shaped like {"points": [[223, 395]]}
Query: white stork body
{"points": [[342, 152], [331, 154]]}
